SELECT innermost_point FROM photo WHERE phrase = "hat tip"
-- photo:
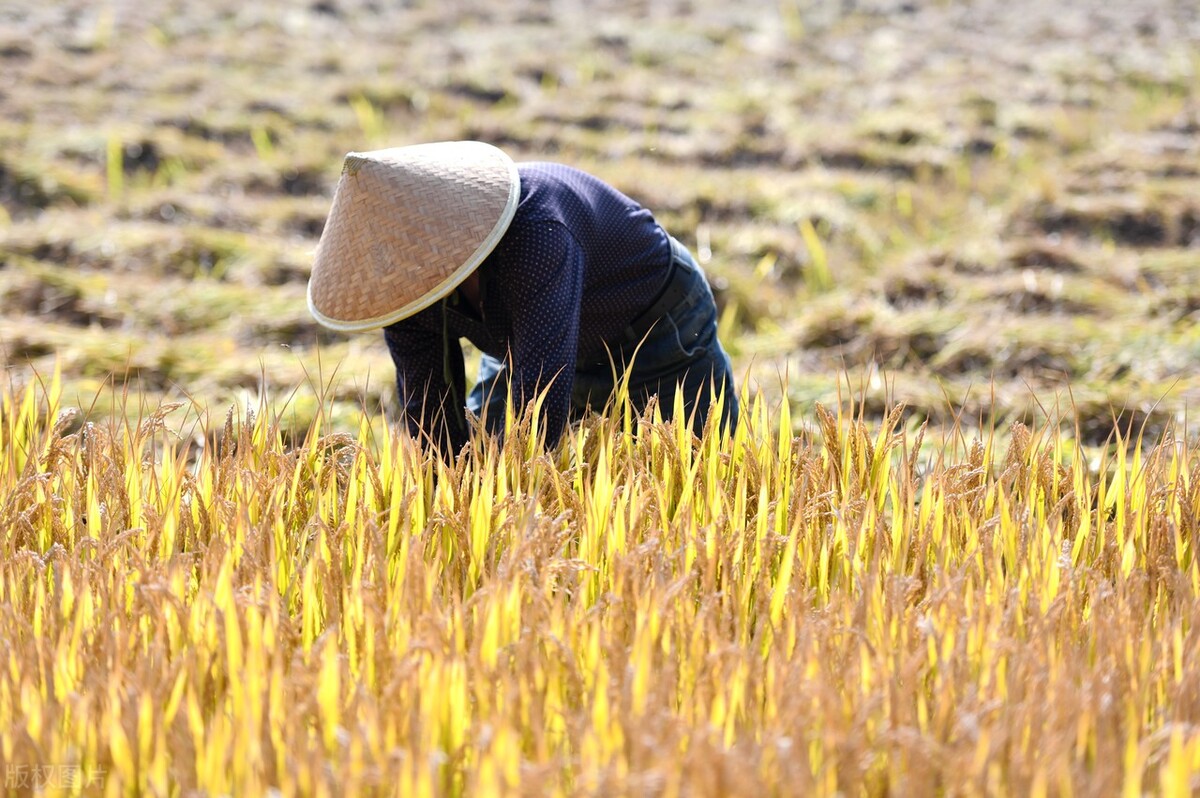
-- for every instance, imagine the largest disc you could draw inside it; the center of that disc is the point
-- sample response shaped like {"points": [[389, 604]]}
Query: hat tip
{"points": [[354, 161]]}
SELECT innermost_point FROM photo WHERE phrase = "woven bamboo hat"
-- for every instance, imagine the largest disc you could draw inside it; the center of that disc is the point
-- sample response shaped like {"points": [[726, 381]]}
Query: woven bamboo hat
{"points": [[408, 224]]}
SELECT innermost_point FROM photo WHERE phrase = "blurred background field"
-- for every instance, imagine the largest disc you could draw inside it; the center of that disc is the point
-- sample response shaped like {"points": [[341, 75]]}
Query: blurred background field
{"points": [[986, 210]]}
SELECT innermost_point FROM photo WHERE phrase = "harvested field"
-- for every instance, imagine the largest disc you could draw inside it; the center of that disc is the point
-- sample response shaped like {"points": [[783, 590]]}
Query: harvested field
{"points": [[963, 207]]}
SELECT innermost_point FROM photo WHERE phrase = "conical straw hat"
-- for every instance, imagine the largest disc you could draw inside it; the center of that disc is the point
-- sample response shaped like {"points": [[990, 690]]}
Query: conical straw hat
{"points": [[408, 224]]}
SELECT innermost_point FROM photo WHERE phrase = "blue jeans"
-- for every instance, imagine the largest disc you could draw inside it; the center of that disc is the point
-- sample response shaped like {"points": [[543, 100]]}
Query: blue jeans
{"points": [[678, 352]]}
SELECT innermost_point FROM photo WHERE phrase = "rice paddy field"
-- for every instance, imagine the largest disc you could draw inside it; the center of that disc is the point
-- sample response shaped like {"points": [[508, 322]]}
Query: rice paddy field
{"points": [[952, 549]]}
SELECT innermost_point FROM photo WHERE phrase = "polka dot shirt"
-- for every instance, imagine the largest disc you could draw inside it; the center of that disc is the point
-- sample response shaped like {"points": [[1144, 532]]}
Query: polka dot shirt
{"points": [[579, 261]]}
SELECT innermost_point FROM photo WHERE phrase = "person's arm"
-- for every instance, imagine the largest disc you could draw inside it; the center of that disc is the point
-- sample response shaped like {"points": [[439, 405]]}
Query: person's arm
{"points": [[544, 290], [430, 380]]}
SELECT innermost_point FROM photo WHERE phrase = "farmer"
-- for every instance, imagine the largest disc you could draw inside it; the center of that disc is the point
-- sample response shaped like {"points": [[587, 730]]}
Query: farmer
{"points": [[554, 276]]}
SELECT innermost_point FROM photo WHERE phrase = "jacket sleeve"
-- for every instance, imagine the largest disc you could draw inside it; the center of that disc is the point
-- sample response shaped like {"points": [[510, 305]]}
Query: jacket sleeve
{"points": [[544, 291], [430, 380]]}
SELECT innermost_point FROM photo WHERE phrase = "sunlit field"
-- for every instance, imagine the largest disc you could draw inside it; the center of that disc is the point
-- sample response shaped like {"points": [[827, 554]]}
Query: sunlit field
{"points": [[951, 550], [633, 613]]}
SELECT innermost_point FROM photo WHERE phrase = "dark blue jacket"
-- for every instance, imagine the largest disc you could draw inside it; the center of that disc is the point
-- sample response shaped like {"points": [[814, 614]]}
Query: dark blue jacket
{"points": [[579, 261]]}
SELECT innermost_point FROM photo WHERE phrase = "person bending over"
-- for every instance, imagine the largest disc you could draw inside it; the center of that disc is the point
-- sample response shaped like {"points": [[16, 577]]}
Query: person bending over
{"points": [[555, 276]]}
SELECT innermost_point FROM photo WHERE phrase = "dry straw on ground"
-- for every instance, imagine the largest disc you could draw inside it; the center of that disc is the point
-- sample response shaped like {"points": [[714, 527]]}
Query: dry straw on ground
{"points": [[966, 193], [631, 614]]}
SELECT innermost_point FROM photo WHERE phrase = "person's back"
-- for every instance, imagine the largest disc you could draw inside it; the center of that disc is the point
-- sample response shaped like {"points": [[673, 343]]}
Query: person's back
{"points": [[625, 254]]}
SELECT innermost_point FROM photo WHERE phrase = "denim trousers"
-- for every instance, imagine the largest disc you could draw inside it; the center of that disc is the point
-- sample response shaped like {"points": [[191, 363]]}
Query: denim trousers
{"points": [[669, 349]]}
